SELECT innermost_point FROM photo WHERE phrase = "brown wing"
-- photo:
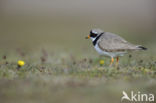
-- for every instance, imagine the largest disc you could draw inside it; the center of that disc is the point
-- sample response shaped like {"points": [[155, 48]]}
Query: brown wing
{"points": [[113, 43]]}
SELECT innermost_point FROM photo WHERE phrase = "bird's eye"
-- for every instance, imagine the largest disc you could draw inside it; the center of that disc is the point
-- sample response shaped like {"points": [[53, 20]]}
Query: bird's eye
{"points": [[93, 34]]}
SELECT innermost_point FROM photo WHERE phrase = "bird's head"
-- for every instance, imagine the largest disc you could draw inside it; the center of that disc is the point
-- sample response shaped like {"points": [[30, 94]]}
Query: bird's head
{"points": [[94, 33]]}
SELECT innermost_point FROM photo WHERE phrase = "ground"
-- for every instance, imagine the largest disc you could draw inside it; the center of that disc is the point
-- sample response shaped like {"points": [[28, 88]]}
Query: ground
{"points": [[49, 76]]}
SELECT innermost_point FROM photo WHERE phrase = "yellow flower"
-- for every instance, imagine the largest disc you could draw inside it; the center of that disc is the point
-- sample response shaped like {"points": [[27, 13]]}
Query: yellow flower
{"points": [[20, 63], [101, 62]]}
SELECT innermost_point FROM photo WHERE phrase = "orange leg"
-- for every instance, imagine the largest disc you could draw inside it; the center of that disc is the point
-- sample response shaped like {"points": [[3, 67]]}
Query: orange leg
{"points": [[117, 61], [112, 60]]}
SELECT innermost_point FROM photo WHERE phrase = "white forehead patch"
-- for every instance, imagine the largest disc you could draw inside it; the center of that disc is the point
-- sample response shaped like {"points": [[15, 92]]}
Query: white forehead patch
{"points": [[94, 32]]}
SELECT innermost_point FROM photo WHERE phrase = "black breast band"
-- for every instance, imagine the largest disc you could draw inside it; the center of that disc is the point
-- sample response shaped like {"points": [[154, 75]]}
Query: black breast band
{"points": [[97, 38]]}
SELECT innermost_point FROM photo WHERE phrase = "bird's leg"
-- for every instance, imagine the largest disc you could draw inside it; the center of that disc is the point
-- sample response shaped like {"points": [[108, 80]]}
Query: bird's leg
{"points": [[117, 62], [112, 60]]}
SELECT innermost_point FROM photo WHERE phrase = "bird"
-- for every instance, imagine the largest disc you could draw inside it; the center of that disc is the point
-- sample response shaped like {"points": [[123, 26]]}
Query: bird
{"points": [[111, 45]]}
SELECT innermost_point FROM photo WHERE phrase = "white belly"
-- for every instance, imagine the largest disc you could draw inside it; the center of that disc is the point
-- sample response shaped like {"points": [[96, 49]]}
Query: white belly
{"points": [[110, 54]]}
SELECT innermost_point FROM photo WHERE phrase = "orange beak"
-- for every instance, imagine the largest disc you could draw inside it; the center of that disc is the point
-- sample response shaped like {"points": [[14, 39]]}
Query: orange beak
{"points": [[88, 37]]}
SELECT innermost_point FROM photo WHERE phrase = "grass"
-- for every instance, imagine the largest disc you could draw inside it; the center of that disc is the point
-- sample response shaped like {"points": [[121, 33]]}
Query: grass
{"points": [[50, 76]]}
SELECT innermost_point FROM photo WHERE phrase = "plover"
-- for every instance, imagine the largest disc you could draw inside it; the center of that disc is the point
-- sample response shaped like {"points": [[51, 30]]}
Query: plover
{"points": [[111, 45]]}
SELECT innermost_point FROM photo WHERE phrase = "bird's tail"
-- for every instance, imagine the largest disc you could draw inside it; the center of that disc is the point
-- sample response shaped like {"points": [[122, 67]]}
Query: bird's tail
{"points": [[140, 47]]}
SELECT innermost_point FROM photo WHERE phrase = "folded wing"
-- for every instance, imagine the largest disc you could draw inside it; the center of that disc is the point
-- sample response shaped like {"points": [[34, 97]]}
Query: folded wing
{"points": [[113, 43]]}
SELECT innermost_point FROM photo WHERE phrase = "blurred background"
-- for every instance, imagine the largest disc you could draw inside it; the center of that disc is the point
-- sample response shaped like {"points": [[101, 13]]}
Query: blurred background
{"points": [[30, 24], [60, 64]]}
